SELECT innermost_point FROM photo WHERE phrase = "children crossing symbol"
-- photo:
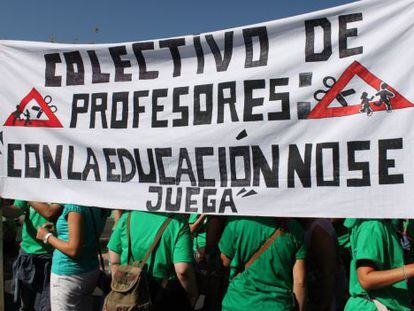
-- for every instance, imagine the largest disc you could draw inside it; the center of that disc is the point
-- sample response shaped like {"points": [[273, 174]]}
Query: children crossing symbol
{"points": [[22, 117], [389, 99]]}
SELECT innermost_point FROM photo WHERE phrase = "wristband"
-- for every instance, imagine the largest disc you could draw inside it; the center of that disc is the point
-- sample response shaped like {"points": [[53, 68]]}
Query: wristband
{"points": [[47, 236]]}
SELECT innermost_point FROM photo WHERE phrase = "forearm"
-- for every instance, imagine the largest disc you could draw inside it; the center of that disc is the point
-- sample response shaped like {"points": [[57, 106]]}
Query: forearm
{"points": [[49, 211], [194, 227], [65, 247], [373, 279], [115, 260], [299, 289]]}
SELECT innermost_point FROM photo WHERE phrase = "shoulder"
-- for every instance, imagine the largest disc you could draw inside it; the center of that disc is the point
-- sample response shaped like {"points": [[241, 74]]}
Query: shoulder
{"points": [[124, 217], [71, 208], [241, 222], [121, 225], [371, 232], [231, 226], [369, 241], [242, 227], [372, 227], [178, 222], [155, 219]]}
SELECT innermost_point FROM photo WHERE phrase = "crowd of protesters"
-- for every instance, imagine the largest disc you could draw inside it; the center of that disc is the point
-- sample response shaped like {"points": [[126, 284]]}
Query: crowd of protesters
{"points": [[209, 263]]}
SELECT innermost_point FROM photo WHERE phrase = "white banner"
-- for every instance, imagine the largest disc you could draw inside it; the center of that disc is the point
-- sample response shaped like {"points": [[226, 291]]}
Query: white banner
{"points": [[306, 116]]}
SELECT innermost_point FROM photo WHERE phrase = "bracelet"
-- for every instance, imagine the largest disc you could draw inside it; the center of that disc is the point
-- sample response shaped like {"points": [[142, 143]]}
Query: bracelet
{"points": [[405, 273], [47, 236]]}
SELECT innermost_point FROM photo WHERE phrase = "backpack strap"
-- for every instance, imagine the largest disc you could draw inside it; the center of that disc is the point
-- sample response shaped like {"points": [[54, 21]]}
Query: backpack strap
{"points": [[129, 238], [264, 247], [153, 245]]}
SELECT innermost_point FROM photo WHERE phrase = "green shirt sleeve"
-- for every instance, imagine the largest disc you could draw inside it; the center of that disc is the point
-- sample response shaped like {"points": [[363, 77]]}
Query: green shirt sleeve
{"points": [[370, 243], [71, 208], [301, 253], [115, 242], [183, 250], [21, 204], [226, 241], [298, 235]]}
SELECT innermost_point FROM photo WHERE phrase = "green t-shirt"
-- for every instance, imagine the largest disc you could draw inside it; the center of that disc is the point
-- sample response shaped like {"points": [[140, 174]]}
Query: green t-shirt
{"points": [[174, 246], [32, 221], [88, 259], [199, 237], [376, 241], [268, 283]]}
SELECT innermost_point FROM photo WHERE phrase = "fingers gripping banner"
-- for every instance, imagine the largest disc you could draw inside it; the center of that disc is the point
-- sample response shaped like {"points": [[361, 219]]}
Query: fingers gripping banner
{"points": [[306, 116]]}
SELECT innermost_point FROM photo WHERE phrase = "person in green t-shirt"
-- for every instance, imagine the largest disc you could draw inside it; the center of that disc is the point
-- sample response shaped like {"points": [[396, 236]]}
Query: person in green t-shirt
{"points": [[172, 257], [378, 274], [276, 279], [75, 266], [35, 257]]}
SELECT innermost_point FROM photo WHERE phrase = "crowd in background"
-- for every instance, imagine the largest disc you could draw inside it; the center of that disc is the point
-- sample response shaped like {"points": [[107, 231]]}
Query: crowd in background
{"points": [[210, 263]]}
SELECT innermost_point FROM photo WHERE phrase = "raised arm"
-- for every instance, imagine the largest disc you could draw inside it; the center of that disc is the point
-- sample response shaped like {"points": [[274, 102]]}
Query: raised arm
{"points": [[49, 211], [194, 227]]}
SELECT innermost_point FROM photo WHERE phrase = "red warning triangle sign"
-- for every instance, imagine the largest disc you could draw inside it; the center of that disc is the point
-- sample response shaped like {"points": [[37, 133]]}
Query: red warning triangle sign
{"points": [[322, 109], [17, 118]]}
